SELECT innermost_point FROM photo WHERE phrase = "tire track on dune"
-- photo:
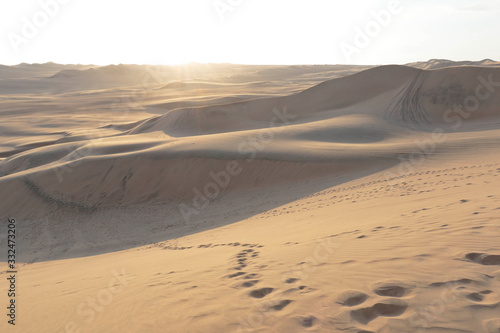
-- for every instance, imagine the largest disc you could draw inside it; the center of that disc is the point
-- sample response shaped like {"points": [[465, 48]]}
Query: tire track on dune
{"points": [[407, 105], [45, 197]]}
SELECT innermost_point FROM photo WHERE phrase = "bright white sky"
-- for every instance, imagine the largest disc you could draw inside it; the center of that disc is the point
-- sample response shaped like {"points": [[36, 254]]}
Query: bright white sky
{"points": [[252, 31]]}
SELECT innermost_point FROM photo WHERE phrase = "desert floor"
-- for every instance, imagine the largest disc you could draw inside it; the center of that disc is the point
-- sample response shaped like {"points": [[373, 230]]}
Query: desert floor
{"points": [[252, 198]]}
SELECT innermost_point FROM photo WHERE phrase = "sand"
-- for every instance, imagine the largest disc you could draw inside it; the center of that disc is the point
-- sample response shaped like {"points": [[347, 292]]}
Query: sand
{"points": [[231, 198]]}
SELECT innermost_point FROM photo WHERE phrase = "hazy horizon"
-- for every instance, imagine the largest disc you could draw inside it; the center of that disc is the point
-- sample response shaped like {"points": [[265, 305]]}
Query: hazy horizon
{"points": [[229, 63], [247, 32]]}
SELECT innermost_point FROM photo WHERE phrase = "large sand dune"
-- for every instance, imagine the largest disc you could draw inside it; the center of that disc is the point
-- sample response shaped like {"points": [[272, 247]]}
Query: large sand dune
{"points": [[254, 198]]}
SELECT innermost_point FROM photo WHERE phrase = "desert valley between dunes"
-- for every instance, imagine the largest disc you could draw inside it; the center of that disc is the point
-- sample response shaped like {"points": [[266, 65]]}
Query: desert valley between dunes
{"points": [[245, 198]]}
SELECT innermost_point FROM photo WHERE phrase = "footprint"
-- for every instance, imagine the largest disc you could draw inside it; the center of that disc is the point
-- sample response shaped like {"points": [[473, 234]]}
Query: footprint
{"points": [[308, 321], [483, 299], [251, 276], [281, 305], [260, 293], [366, 315], [391, 290], [491, 260], [483, 258], [451, 283], [249, 284], [236, 275], [352, 298], [476, 297], [291, 280]]}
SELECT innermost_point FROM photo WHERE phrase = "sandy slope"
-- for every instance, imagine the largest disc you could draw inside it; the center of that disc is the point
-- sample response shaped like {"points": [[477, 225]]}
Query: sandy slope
{"points": [[255, 199]]}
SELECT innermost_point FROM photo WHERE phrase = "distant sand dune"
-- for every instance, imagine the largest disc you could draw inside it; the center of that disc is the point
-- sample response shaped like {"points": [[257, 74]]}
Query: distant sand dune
{"points": [[413, 97], [370, 115]]}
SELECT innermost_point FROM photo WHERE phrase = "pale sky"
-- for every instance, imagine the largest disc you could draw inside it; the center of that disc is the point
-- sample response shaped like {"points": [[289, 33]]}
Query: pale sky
{"points": [[247, 31]]}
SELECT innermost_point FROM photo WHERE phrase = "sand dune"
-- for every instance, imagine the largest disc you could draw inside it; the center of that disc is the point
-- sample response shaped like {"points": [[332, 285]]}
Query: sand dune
{"points": [[230, 198], [369, 115], [442, 63], [410, 96]]}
